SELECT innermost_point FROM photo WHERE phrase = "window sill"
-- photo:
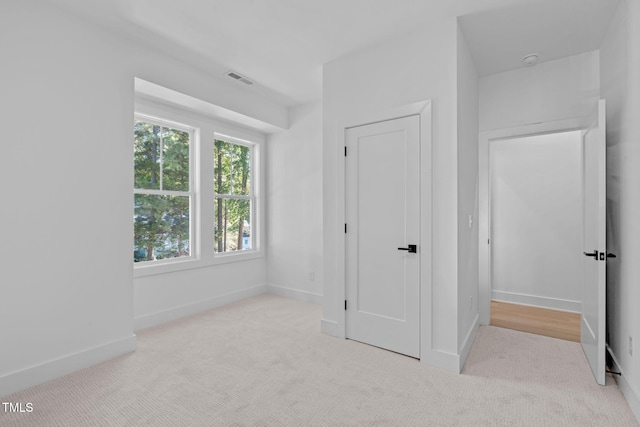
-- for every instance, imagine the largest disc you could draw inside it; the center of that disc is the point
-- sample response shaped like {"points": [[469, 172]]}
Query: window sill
{"points": [[152, 269]]}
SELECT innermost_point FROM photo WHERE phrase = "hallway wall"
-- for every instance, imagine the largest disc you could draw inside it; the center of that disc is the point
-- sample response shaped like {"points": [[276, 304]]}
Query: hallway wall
{"points": [[620, 80], [556, 90], [536, 220]]}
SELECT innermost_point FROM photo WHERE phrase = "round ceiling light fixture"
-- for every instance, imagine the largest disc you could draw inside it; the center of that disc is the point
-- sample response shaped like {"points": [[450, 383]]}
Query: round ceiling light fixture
{"points": [[531, 59]]}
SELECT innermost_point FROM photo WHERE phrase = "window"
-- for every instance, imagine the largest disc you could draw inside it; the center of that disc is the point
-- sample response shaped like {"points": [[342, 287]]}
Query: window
{"points": [[234, 196], [196, 191], [163, 196]]}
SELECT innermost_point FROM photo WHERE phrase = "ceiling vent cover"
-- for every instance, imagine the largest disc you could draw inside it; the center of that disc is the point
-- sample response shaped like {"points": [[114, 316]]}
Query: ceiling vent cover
{"points": [[239, 77]]}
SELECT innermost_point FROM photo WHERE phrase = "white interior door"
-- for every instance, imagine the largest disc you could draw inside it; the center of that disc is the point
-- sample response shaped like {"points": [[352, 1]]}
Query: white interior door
{"points": [[383, 221], [594, 263]]}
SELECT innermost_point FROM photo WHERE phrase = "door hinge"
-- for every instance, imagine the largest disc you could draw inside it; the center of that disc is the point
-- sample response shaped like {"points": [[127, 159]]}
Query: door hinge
{"points": [[488, 241], [345, 305], [345, 151], [345, 227]]}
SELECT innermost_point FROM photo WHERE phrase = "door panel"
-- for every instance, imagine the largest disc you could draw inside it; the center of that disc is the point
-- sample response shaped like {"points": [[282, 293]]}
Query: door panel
{"points": [[382, 211], [594, 247], [379, 198]]}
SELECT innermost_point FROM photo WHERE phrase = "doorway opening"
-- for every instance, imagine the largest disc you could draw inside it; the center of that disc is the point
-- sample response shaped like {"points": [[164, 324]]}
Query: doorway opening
{"points": [[535, 233]]}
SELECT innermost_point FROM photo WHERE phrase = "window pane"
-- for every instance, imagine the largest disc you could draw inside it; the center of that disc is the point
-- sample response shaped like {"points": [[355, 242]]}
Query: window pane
{"points": [[233, 225], [175, 160], [161, 227], [232, 168], [146, 154]]}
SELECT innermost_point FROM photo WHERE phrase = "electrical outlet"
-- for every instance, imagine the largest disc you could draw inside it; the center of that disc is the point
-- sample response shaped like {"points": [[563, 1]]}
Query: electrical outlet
{"points": [[312, 276], [630, 346]]}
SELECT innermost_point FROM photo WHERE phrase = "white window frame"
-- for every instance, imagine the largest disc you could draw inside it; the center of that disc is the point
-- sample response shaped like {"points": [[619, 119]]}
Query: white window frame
{"points": [[202, 222], [191, 193], [255, 182]]}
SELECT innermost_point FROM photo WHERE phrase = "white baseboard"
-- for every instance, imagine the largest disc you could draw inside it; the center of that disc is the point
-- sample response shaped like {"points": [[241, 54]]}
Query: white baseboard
{"points": [[47, 371], [628, 390], [330, 327], [468, 341], [157, 318], [537, 301], [442, 360], [295, 294]]}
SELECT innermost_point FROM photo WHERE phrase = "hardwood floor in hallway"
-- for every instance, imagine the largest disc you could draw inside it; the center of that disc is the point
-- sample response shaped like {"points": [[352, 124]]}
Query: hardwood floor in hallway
{"points": [[541, 321]]}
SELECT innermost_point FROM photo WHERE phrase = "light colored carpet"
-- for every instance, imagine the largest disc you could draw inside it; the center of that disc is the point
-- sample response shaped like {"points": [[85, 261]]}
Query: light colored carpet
{"points": [[263, 362]]}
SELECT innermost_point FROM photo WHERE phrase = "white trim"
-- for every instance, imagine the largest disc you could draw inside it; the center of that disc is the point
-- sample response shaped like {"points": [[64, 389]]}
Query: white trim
{"points": [[295, 294], [188, 263], [332, 328], [166, 123], [193, 191], [485, 137], [157, 318], [442, 360], [537, 301], [629, 391], [255, 203], [337, 327], [234, 140], [163, 192], [468, 341], [52, 369], [232, 196]]}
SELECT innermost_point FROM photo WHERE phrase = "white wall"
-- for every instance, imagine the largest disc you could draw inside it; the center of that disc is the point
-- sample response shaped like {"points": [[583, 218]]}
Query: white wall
{"points": [[418, 67], [66, 257], [169, 296], [536, 220], [555, 90], [467, 119], [67, 99], [294, 206], [620, 84]]}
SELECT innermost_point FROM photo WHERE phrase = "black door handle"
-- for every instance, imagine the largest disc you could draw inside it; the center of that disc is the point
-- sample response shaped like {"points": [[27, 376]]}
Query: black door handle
{"points": [[594, 254], [411, 248]]}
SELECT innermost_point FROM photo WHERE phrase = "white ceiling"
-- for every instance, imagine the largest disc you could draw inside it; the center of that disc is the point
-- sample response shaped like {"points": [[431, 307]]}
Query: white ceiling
{"points": [[554, 29], [282, 44]]}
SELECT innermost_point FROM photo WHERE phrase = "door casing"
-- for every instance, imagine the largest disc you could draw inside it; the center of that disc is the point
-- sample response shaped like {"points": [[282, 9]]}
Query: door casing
{"points": [[424, 110]]}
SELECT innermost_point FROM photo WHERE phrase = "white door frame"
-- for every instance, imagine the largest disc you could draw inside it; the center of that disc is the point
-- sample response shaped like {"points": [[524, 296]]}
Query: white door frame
{"points": [[423, 109], [484, 252]]}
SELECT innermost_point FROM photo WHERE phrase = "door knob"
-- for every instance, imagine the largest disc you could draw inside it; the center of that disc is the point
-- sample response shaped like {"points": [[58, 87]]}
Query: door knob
{"points": [[594, 254], [411, 248]]}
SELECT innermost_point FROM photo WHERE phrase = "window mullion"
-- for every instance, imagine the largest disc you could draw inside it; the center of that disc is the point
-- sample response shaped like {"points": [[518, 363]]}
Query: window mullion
{"points": [[232, 196], [164, 192]]}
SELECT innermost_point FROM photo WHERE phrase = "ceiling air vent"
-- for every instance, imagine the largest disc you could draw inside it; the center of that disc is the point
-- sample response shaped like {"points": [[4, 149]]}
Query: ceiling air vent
{"points": [[239, 78]]}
